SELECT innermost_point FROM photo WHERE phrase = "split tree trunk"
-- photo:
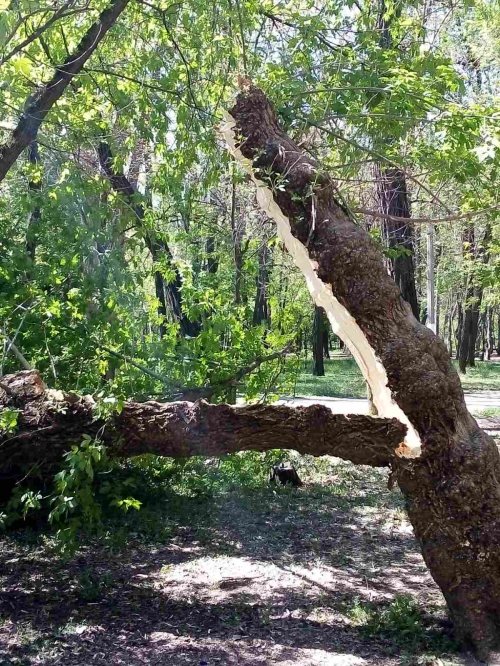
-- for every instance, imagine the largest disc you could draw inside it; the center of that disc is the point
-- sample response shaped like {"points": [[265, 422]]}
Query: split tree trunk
{"points": [[452, 489]]}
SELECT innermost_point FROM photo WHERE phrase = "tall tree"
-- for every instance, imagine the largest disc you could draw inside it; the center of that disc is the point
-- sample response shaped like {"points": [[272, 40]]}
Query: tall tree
{"points": [[394, 199], [448, 469]]}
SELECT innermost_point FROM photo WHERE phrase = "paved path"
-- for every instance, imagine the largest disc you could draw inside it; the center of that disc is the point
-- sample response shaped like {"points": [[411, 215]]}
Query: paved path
{"points": [[476, 402]]}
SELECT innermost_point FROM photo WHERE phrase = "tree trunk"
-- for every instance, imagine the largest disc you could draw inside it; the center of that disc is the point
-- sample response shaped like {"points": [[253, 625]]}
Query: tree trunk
{"points": [[459, 331], [50, 422], [40, 103], [449, 326], [473, 298], [262, 308], [490, 334], [167, 293], [34, 187], [498, 339], [431, 291], [317, 340], [212, 265], [326, 341], [393, 197], [448, 469], [238, 231]]}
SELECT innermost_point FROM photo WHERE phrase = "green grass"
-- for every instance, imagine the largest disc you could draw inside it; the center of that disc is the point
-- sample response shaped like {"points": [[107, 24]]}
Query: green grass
{"points": [[343, 379], [485, 376]]}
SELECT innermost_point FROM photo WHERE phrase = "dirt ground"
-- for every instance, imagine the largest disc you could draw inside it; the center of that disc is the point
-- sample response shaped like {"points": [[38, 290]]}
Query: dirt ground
{"points": [[325, 575]]}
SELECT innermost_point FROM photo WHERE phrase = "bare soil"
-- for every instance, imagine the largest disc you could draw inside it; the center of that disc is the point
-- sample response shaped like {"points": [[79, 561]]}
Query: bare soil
{"points": [[314, 577]]}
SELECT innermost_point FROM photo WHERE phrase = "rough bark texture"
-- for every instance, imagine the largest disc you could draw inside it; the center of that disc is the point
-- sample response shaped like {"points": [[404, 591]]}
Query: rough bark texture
{"points": [[452, 490], [50, 422], [46, 96]]}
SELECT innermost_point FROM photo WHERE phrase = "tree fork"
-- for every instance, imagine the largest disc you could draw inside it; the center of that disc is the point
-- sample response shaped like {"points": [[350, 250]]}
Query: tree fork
{"points": [[449, 470]]}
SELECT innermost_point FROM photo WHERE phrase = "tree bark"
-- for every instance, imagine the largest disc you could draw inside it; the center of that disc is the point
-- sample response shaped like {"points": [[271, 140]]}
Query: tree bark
{"points": [[50, 422], [459, 331], [40, 103], [473, 298], [452, 489], [317, 343]]}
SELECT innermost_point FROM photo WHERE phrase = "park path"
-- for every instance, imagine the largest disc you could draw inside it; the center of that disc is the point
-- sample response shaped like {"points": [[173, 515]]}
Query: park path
{"points": [[476, 402]]}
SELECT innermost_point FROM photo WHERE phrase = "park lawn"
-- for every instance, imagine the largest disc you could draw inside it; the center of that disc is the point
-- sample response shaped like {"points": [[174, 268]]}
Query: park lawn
{"points": [[343, 379]]}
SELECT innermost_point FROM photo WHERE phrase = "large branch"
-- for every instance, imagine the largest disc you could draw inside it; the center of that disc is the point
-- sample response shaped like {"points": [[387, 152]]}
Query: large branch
{"points": [[50, 422], [43, 100]]}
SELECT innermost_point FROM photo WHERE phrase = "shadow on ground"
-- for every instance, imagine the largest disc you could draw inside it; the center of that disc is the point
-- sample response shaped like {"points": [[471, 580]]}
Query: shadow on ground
{"points": [[327, 575]]}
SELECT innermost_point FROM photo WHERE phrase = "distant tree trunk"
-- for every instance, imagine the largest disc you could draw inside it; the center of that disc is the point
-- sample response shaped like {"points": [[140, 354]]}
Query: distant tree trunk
{"points": [[393, 197], [34, 187], [212, 261], [168, 293], [473, 298], [498, 331], [449, 469], [481, 338], [326, 341], [450, 317], [459, 331], [262, 307], [318, 364], [238, 231], [431, 289], [490, 334]]}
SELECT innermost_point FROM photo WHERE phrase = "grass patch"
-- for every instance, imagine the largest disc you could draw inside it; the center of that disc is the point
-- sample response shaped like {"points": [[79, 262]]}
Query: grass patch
{"points": [[403, 623], [343, 379], [485, 376]]}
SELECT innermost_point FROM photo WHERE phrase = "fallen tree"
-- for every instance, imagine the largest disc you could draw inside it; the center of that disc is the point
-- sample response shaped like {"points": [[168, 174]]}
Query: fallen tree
{"points": [[50, 422], [449, 470]]}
